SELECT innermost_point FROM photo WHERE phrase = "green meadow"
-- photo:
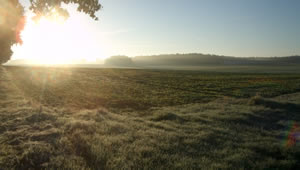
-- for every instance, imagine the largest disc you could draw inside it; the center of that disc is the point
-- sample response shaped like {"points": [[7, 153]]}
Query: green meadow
{"points": [[93, 118]]}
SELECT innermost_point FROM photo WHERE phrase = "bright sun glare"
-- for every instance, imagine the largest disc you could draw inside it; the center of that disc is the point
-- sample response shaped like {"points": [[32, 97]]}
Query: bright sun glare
{"points": [[54, 40]]}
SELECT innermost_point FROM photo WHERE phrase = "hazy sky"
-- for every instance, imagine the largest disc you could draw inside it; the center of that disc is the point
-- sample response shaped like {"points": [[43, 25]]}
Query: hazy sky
{"points": [[225, 27]]}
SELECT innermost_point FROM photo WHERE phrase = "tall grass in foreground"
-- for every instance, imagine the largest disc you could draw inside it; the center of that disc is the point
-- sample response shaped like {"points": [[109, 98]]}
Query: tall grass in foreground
{"points": [[221, 134]]}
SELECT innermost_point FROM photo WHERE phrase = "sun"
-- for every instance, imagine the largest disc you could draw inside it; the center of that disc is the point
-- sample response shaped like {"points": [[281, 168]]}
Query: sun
{"points": [[56, 40]]}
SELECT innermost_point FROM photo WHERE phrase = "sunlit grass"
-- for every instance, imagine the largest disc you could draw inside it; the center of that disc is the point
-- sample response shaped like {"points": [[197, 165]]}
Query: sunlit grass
{"points": [[141, 89]]}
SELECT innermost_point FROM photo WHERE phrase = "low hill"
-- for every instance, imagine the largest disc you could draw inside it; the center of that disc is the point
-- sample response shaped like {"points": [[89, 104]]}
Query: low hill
{"points": [[176, 60], [195, 59]]}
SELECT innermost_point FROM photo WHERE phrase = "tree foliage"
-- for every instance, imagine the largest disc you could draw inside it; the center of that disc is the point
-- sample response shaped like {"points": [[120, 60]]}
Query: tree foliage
{"points": [[12, 19], [11, 25], [45, 7]]}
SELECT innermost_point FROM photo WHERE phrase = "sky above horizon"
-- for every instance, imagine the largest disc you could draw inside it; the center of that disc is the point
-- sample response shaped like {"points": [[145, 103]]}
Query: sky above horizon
{"points": [[240, 28]]}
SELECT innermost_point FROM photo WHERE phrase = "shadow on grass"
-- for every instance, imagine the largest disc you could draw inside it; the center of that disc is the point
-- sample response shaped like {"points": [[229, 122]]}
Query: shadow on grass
{"points": [[289, 107], [274, 113]]}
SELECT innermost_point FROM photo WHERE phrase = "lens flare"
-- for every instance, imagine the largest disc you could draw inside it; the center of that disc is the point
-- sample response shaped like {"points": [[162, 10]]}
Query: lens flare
{"points": [[292, 135]]}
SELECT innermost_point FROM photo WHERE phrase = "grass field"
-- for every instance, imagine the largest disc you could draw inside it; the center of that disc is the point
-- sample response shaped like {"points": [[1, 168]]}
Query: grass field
{"points": [[148, 119]]}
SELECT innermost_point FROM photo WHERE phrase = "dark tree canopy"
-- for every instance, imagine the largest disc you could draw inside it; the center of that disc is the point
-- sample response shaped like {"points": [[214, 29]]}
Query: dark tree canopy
{"points": [[12, 19], [11, 24], [45, 7]]}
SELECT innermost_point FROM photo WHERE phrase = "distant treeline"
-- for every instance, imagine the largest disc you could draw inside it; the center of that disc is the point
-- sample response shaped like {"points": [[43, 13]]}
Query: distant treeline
{"points": [[196, 59], [119, 61]]}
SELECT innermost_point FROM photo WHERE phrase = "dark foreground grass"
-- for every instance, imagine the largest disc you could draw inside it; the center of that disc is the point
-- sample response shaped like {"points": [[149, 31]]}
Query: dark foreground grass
{"points": [[222, 133]]}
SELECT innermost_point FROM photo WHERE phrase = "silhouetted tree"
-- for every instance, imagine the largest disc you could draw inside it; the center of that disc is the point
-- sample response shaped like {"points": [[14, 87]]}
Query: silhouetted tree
{"points": [[11, 24], [12, 19]]}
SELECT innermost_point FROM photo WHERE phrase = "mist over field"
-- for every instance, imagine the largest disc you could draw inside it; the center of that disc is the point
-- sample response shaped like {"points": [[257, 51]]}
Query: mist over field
{"points": [[179, 61]]}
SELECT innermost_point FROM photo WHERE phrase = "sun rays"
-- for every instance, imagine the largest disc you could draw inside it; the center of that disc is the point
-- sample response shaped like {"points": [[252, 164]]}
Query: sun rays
{"points": [[55, 40]]}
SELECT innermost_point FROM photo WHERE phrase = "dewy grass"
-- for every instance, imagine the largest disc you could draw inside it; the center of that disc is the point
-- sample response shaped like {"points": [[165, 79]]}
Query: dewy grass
{"points": [[119, 119]]}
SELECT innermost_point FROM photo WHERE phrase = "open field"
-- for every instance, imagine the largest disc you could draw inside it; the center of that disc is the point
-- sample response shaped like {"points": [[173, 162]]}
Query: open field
{"points": [[148, 119], [142, 89]]}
